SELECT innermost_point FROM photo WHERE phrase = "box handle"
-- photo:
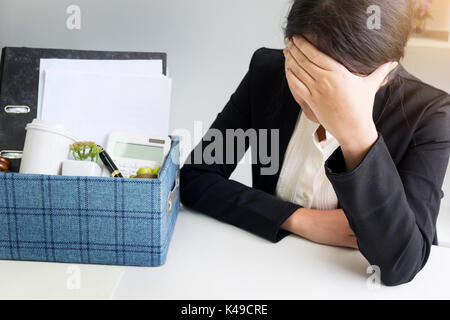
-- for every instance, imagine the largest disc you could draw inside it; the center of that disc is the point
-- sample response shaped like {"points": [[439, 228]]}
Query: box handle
{"points": [[11, 154], [173, 195]]}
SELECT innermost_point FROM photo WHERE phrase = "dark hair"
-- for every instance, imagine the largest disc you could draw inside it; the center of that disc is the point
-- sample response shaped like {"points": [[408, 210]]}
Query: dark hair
{"points": [[339, 29]]}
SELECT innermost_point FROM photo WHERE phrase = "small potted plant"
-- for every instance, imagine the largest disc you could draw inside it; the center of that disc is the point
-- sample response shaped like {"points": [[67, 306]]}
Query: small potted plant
{"points": [[85, 155]]}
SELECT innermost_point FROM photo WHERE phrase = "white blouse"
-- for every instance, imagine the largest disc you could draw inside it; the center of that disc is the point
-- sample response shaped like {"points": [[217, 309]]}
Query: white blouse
{"points": [[302, 178]]}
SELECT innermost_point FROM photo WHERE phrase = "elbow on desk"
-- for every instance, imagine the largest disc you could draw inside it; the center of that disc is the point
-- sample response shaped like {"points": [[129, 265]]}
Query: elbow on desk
{"points": [[393, 279], [404, 269]]}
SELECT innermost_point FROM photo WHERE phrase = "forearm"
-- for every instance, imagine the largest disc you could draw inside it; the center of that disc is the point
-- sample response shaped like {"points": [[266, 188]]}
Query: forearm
{"points": [[298, 222], [328, 227], [232, 202], [293, 224]]}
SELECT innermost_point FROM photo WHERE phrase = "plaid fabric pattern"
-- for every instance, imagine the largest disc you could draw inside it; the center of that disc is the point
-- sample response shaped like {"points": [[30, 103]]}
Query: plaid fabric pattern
{"points": [[88, 219]]}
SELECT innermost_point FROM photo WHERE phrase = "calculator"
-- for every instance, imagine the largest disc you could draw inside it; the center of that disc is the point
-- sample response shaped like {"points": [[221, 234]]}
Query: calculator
{"points": [[132, 151]]}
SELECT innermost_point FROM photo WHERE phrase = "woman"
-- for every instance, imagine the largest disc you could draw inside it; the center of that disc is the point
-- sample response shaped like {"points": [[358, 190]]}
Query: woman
{"points": [[364, 144]]}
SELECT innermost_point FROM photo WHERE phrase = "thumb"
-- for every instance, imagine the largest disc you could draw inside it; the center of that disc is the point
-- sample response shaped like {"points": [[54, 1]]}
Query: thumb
{"points": [[379, 75]]}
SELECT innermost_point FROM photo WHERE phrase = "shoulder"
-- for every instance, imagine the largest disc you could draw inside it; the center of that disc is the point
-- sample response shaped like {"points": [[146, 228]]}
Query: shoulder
{"points": [[415, 87], [265, 58], [429, 105], [267, 75], [268, 63]]}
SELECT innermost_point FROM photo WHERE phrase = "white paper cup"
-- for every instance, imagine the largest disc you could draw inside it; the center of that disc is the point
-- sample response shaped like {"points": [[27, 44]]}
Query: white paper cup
{"points": [[46, 146]]}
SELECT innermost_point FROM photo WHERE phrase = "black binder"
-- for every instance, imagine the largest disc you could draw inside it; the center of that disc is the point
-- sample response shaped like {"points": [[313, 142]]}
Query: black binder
{"points": [[19, 83]]}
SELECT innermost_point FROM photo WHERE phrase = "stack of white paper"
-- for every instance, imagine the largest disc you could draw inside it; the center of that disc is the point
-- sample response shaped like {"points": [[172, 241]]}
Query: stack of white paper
{"points": [[91, 98]]}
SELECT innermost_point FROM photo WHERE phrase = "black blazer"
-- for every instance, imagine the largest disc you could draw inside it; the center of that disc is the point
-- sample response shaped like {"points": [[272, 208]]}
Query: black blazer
{"points": [[391, 199]]}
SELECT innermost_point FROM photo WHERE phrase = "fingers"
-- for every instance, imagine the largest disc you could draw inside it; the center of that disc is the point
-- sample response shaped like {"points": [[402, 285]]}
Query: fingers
{"points": [[317, 57], [302, 89], [302, 60], [297, 69], [380, 74]]}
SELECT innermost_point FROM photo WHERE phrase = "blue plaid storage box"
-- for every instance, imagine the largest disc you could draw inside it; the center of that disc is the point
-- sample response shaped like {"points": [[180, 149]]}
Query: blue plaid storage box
{"points": [[90, 220]]}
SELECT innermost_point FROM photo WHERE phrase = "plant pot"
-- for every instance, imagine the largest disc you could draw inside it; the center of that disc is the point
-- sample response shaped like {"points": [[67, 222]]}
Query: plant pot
{"points": [[81, 168]]}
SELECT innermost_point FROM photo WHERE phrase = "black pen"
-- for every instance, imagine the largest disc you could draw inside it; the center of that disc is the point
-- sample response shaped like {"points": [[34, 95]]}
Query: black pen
{"points": [[109, 164]]}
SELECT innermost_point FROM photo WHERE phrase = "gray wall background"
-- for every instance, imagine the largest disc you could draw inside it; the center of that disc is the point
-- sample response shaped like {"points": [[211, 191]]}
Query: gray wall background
{"points": [[209, 42], [209, 45]]}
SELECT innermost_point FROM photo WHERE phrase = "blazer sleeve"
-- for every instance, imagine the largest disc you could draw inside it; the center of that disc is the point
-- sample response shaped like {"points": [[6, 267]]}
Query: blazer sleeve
{"points": [[393, 209], [206, 187]]}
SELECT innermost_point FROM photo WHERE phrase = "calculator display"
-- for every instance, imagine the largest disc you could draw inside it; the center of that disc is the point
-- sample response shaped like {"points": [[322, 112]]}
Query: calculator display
{"points": [[138, 151]]}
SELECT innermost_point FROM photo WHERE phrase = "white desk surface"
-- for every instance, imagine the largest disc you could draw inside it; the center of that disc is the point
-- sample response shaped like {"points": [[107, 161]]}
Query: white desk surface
{"points": [[211, 260]]}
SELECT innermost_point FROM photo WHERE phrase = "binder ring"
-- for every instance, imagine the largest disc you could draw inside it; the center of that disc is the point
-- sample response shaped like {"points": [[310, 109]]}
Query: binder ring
{"points": [[11, 154], [13, 109]]}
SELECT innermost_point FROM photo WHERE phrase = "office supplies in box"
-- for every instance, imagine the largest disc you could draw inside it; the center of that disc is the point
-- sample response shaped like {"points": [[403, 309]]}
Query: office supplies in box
{"points": [[19, 87], [91, 220], [97, 220]]}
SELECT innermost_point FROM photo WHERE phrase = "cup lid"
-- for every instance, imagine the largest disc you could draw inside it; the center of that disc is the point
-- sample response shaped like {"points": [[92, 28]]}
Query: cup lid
{"points": [[50, 127]]}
